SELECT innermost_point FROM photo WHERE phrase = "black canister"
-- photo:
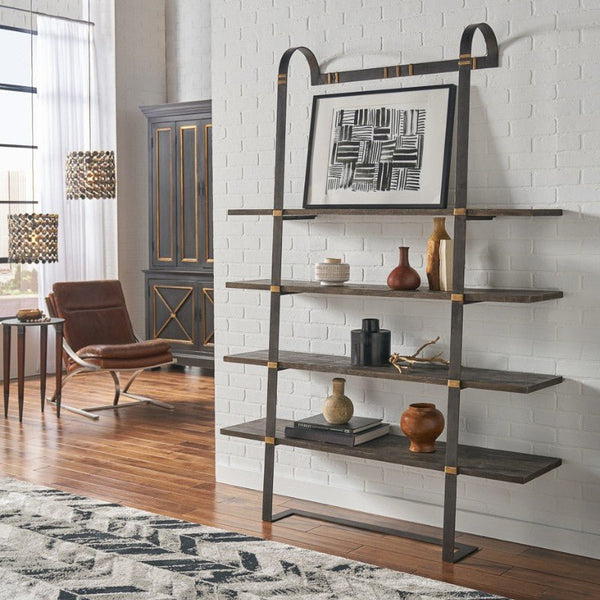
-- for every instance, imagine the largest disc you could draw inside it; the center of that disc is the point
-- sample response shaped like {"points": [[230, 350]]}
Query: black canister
{"points": [[370, 345]]}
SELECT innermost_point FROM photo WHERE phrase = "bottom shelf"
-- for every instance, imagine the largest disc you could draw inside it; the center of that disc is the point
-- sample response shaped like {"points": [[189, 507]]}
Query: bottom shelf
{"points": [[500, 465]]}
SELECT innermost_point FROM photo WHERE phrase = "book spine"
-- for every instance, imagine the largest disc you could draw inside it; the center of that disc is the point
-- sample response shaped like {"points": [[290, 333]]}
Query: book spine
{"points": [[320, 427], [320, 435]]}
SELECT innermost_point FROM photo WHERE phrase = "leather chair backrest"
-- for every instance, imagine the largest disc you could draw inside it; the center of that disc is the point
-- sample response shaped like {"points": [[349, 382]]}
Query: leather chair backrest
{"points": [[94, 313]]}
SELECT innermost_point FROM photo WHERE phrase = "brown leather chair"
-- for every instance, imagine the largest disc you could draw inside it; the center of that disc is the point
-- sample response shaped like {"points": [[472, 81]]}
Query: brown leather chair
{"points": [[98, 337]]}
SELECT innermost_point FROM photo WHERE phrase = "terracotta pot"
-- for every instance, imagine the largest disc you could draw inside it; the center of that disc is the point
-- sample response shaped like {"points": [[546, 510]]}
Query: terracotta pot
{"points": [[433, 252], [338, 408], [403, 277], [422, 423]]}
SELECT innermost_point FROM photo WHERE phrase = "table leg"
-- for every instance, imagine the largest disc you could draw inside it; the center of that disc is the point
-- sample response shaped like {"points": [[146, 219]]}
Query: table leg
{"points": [[21, 367], [6, 339], [43, 362], [58, 361]]}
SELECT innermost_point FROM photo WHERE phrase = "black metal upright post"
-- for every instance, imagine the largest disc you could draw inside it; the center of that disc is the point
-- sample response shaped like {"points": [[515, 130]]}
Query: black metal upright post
{"points": [[275, 288], [451, 469]]}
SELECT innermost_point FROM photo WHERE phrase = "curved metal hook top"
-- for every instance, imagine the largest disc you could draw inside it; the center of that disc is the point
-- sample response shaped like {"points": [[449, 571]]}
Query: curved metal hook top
{"points": [[491, 43], [284, 63]]}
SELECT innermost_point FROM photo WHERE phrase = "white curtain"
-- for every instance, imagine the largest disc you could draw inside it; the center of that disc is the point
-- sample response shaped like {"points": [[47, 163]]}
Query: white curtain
{"points": [[87, 228]]}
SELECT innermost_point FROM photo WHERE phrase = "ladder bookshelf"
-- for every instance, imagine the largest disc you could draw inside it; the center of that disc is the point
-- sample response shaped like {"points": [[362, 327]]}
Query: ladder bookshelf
{"points": [[451, 458]]}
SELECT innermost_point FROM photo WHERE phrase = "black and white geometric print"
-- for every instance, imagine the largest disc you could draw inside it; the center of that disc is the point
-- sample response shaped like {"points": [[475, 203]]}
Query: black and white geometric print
{"points": [[58, 546], [376, 150]]}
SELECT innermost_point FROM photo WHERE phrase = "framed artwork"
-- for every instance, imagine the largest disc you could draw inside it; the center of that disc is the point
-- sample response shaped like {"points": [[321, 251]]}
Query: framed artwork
{"points": [[381, 149]]}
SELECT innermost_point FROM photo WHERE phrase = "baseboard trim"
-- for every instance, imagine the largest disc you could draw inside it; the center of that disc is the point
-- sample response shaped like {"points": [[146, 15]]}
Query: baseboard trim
{"points": [[522, 532]]}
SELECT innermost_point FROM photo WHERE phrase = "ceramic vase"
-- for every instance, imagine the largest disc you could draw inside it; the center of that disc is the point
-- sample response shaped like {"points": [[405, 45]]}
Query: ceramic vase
{"points": [[403, 277], [338, 408], [433, 252], [370, 346], [332, 271], [446, 263], [422, 423]]}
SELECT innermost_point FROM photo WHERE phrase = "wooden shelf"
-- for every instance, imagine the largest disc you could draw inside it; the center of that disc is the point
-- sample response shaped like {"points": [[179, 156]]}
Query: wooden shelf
{"points": [[500, 465], [482, 379], [472, 295], [472, 213]]}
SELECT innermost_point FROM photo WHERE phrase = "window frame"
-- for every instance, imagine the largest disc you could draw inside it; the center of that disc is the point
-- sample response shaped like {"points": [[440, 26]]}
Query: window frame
{"points": [[10, 87]]}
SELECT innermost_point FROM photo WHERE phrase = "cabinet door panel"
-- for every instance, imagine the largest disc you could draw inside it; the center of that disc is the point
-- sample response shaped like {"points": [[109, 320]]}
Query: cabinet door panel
{"points": [[173, 312], [207, 196], [189, 188], [207, 317], [163, 194]]}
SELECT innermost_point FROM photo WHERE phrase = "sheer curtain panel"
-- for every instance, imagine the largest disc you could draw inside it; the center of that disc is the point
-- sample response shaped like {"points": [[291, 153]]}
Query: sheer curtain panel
{"points": [[87, 228]]}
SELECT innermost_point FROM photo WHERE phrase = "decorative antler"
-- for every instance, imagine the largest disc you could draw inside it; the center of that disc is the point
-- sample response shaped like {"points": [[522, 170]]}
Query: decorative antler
{"points": [[413, 359]]}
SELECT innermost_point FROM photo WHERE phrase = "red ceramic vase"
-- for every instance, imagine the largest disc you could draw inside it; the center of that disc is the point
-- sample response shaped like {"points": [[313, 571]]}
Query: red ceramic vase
{"points": [[422, 423], [403, 277]]}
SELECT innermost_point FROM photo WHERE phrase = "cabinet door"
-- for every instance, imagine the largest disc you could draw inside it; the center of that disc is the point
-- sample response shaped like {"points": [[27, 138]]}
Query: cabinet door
{"points": [[173, 311], [194, 175], [207, 316], [163, 216], [189, 186]]}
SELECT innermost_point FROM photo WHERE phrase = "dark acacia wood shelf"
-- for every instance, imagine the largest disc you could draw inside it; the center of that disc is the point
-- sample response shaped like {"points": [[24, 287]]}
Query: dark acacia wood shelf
{"points": [[482, 379], [500, 465], [472, 295], [472, 213]]}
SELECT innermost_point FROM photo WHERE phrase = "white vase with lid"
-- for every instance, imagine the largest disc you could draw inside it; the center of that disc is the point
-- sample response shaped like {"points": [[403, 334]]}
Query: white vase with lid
{"points": [[332, 271]]}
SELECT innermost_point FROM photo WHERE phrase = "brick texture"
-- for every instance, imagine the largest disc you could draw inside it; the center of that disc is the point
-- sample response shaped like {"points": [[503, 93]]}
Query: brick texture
{"points": [[534, 138]]}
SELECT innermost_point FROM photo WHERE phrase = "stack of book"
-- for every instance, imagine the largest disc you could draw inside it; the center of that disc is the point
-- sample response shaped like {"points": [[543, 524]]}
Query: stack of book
{"points": [[356, 431]]}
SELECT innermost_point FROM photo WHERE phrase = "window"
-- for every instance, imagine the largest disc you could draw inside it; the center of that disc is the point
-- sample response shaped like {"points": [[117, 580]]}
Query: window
{"points": [[18, 283]]}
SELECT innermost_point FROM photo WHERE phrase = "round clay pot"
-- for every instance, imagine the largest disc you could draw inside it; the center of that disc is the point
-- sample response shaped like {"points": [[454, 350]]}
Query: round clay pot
{"points": [[338, 408], [403, 277], [422, 424]]}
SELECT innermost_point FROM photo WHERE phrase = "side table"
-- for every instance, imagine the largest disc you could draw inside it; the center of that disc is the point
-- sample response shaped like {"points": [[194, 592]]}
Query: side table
{"points": [[21, 326]]}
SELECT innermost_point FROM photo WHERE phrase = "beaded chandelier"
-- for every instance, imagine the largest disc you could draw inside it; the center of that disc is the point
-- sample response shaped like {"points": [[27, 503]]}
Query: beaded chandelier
{"points": [[90, 174], [32, 238]]}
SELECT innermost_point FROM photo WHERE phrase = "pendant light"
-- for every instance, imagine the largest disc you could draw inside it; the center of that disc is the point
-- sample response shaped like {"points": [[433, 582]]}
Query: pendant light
{"points": [[32, 238], [90, 173]]}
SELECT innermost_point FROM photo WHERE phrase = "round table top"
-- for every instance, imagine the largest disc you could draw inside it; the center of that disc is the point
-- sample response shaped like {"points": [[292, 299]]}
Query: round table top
{"points": [[14, 322]]}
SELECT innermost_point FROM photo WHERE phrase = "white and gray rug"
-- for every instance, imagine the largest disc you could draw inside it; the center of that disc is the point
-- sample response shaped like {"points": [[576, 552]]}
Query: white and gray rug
{"points": [[58, 546]]}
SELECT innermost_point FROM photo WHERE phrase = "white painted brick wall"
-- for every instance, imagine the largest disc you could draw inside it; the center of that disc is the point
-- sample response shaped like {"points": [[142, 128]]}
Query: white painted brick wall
{"points": [[188, 34], [534, 142]]}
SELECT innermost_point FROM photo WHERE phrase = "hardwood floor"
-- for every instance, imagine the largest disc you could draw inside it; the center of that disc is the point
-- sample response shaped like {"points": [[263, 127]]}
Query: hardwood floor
{"points": [[163, 461]]}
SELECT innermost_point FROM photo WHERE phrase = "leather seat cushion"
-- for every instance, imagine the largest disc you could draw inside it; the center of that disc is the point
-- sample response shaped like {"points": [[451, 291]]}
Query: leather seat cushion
{"points": [[119, 364], [126, 351]]}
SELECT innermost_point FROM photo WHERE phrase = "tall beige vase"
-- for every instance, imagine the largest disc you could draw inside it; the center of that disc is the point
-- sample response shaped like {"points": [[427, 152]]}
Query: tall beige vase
{"points": [[433, 252]]}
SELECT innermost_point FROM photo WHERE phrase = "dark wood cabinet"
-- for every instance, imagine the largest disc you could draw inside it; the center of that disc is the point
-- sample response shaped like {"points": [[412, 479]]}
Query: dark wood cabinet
{"points": [[179, 281]]}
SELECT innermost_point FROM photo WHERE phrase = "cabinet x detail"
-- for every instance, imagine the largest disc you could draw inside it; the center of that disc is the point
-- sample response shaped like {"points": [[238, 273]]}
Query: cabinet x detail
{"points": [[173, 307]]}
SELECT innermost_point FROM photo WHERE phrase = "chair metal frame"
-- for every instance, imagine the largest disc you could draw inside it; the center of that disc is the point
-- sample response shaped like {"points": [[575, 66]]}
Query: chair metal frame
{"points": [[86, 367]]}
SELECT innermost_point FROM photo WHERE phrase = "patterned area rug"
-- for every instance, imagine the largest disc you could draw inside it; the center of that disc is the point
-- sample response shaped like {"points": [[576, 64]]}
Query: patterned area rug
{"points": [[58, 546]]}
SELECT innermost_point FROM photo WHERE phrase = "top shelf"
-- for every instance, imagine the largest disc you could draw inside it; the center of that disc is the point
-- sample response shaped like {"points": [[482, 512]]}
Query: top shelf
{"points": [[476, 214]]}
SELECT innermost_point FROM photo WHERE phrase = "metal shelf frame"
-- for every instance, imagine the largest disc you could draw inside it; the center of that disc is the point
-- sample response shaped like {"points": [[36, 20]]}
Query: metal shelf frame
{"points": [[464, 65]]}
